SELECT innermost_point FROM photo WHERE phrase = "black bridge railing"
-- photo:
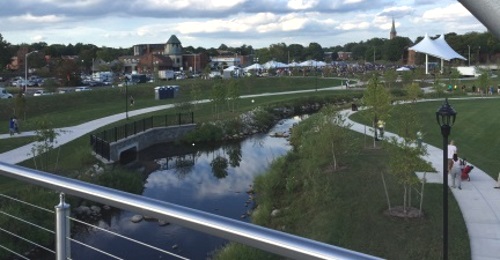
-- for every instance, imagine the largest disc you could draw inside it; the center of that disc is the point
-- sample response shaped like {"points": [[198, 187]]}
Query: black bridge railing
{"points": [[100, 141]]}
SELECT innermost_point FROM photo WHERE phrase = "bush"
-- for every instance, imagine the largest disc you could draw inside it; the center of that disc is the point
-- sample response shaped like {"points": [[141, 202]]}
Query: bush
{"points": [[206, 132]]}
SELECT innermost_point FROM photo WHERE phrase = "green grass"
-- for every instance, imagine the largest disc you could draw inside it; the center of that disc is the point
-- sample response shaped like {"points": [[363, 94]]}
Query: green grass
{"points": [[346, 209], [474, 131], [79, 107]]}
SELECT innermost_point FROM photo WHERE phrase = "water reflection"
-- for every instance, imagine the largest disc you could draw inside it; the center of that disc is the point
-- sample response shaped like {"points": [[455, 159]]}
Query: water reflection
{"points": [[212, 180]]}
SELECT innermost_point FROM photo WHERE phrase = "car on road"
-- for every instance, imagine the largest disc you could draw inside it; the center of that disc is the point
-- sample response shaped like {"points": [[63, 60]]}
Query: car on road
{"points": [[79, 89], [4, 94], [38, 93]]}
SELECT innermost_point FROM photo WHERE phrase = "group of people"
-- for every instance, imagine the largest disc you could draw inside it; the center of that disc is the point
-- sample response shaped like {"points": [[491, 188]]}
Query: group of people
{"points": [[13, 125], [455, 167]]}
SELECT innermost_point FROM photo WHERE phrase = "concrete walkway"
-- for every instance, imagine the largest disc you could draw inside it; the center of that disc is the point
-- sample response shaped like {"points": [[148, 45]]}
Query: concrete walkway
{"points": [[68, 134], [478, 200]]}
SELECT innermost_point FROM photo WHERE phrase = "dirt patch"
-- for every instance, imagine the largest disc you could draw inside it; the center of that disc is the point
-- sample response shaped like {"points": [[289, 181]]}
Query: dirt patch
{"points": [[399, 212]]}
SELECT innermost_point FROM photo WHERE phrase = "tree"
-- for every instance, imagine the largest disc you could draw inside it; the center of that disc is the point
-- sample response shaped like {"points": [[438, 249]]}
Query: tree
{"points": [[404, 153], [45, 141], [413, 91], [233, 94], [394, 48], [195, 94], [390, 77], [483, 81], [324, 133], [407, 77], [6, 52], [296, 52], [378, 99], [315, 51], [218, 98], [278, 52]]}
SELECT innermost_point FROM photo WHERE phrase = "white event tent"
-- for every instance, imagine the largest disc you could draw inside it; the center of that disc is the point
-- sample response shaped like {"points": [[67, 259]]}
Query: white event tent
{"points": [[274, 65], [437, 48], [255, 66]]}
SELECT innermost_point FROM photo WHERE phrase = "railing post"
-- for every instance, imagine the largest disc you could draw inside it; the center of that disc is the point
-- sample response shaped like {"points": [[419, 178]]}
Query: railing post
{"points": [[63, 249]]}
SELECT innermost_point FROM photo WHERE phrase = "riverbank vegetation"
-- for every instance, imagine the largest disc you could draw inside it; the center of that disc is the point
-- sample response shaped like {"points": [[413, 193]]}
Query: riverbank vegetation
{"points": [[304, 195]]}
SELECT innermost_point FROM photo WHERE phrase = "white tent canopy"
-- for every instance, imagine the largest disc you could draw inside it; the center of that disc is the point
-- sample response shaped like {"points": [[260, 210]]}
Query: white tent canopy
{"points": [[255, 66], [437, 48], [274, 64], [312, 63], [231, 68]]}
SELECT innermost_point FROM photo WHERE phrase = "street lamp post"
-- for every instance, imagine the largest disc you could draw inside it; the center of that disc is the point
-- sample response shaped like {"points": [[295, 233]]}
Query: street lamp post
{"points": [[469, 54], [445, 117], [26, 70], [126, 97]]}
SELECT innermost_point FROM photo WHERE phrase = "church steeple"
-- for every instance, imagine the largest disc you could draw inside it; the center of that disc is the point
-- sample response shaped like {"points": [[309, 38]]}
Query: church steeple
{"points": [[393, 33]]}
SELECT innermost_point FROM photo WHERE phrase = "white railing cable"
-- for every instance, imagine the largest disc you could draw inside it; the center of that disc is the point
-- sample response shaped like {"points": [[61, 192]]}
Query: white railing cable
{"points": [[95, 249], [14, 252], [27, 240], [129, 239], [266, 239], [26, 203], [26, 222]]}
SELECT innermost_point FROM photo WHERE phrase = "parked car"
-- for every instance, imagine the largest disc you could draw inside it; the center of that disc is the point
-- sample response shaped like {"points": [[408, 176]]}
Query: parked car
{"points": [[39, 93], [78, 89], [4, 94]]}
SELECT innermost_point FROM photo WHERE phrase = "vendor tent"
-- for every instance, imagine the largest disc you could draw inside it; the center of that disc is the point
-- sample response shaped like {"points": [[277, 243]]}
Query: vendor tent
{"points": [[231, 68], [255, 66], [437, 48], [312, 63], [274, 65]]}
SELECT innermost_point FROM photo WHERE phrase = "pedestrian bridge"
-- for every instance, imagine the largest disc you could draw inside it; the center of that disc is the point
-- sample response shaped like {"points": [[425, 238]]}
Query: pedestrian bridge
{"points": [[121, 144]]}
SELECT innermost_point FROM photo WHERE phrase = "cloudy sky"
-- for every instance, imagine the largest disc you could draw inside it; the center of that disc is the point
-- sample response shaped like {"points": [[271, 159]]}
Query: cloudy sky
{"points": [[210, 23]]}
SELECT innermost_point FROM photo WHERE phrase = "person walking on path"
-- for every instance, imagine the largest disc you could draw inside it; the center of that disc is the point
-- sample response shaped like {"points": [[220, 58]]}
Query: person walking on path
{"points": [[12, 126], [452, 150], [132, 101], [456, 172], [498, 182], [16, 124]]}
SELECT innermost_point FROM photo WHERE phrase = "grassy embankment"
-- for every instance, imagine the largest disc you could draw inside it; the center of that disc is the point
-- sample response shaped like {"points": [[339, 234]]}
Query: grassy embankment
{"points": [[346, 207], [358, 194]]}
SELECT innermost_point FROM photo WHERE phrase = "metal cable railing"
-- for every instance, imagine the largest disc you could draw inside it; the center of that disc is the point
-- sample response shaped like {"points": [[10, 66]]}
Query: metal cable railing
{"points": [[252, 235], [37, 245]]}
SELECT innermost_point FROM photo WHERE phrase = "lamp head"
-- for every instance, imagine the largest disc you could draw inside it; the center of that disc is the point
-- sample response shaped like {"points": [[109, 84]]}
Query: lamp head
{"points": [[446, 115]]}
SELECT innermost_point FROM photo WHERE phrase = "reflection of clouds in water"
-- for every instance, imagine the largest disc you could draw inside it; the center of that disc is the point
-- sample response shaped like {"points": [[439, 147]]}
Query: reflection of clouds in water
{"points": [[257, 153]]}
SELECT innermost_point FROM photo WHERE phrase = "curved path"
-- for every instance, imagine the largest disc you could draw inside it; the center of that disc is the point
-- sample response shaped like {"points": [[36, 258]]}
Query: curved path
{"points": [[478, 200]]}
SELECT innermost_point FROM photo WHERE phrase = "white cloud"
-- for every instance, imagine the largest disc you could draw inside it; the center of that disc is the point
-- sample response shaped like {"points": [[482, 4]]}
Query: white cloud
{"points": [[349, 26], [302, 4], [190, 4], [29, 18], [451, 12]]}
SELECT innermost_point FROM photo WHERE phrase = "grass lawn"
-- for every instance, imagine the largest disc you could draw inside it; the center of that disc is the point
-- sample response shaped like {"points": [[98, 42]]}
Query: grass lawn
{"points": [[474, 131], [346, 209], [78, 107]]}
